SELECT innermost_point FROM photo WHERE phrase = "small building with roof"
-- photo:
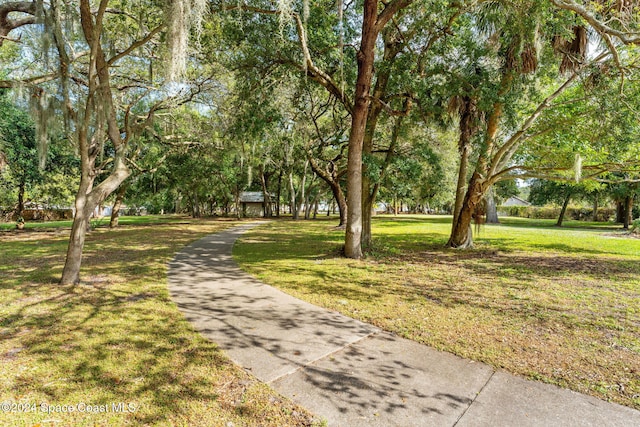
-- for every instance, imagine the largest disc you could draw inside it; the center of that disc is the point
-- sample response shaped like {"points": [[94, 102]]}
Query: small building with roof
{"points": [[515, 201], [252, 203]]}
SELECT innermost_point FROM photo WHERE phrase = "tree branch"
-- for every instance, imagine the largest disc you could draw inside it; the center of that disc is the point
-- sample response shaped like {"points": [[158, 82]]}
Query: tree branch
{"points": [[29, 81], [7, 25], [626, 37], [390, 9], [136, 45], [502, 156], [316, 73]]}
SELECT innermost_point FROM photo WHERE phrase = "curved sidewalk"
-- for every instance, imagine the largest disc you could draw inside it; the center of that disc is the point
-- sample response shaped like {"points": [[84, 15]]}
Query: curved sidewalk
{"points": [[351, 373]]}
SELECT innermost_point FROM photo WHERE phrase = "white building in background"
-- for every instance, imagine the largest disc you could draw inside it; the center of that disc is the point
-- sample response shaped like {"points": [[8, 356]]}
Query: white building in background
{"points": [[515, 201], [252, 203]]}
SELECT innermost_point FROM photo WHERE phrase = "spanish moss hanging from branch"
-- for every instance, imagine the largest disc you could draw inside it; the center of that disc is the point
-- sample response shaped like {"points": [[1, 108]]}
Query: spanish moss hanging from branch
{"points": [[43, 112], [577, 168], [285, 7], [341, 42], [183, 17]]}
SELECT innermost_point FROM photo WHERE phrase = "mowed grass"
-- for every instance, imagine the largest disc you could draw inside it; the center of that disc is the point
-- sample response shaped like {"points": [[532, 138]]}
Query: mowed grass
{"points": [[556, 305], [116, 338], [95, 223]]}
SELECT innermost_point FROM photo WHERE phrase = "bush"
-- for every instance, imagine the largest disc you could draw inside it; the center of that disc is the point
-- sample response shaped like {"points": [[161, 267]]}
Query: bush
{"points": [[37, 215], [47, 214], [538, 212]]}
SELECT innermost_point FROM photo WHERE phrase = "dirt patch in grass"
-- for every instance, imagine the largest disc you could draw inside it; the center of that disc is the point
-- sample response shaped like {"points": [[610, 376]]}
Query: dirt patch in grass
{"points": [[116, 339], [624, 235], [558, 306]]}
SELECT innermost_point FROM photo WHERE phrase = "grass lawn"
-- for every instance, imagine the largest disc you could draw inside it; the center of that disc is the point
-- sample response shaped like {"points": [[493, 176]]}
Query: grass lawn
{"points": [[96, 223], [116, 338], [556, 305]]}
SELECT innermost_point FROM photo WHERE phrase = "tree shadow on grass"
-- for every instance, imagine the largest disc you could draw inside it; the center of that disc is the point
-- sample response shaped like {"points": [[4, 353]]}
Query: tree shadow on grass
{"points": [[279, 337], [505, 278], [109, 340], [101, 346]]}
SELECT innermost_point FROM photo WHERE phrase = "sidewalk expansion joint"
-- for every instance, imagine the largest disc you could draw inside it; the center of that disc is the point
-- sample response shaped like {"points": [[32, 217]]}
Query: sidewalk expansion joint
{"points": [[474, 399], [306, 365]]}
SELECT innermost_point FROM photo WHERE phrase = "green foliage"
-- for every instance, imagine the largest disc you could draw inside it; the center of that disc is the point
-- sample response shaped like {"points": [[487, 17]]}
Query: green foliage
{"points": [[575, 213], [506, 189], [23, 177]]}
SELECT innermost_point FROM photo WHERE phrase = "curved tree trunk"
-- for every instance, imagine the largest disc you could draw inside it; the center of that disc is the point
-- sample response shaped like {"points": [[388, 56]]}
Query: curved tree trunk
{"points": [[461, 235], [89, 142], [341, 202], [86, 201], [115, 210], [563, 211], [332, 178]]}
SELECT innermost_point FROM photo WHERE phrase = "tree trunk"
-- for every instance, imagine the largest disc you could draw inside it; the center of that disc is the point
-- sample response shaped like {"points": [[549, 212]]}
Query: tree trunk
{"points": [[461, 185], [195, 205], [312, 205], [237, 203], [87, 198], [595, 209], [71, 272], [620, 211], [300, 201], [462, 235], [341, 201], [332, 178], [307, 206], [21, 190], [367, 208], [365, 59], [492, 209], [293, 197], [563, 210], [278, 194], [372, 193], [393, 45], [266, 205], [115, 210], [628, 212]]}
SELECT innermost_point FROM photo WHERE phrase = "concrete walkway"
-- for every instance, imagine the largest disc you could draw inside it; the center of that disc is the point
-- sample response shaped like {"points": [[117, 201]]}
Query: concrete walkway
{"points": [[351, 373]]}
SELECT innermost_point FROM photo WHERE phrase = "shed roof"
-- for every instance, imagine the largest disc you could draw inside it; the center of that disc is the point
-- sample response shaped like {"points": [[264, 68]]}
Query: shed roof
{"points": [[251, 197], [516, 201]]}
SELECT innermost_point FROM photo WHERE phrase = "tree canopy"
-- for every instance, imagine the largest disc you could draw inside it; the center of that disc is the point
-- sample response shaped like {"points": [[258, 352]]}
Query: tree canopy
{"points": [[434, 102]]}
